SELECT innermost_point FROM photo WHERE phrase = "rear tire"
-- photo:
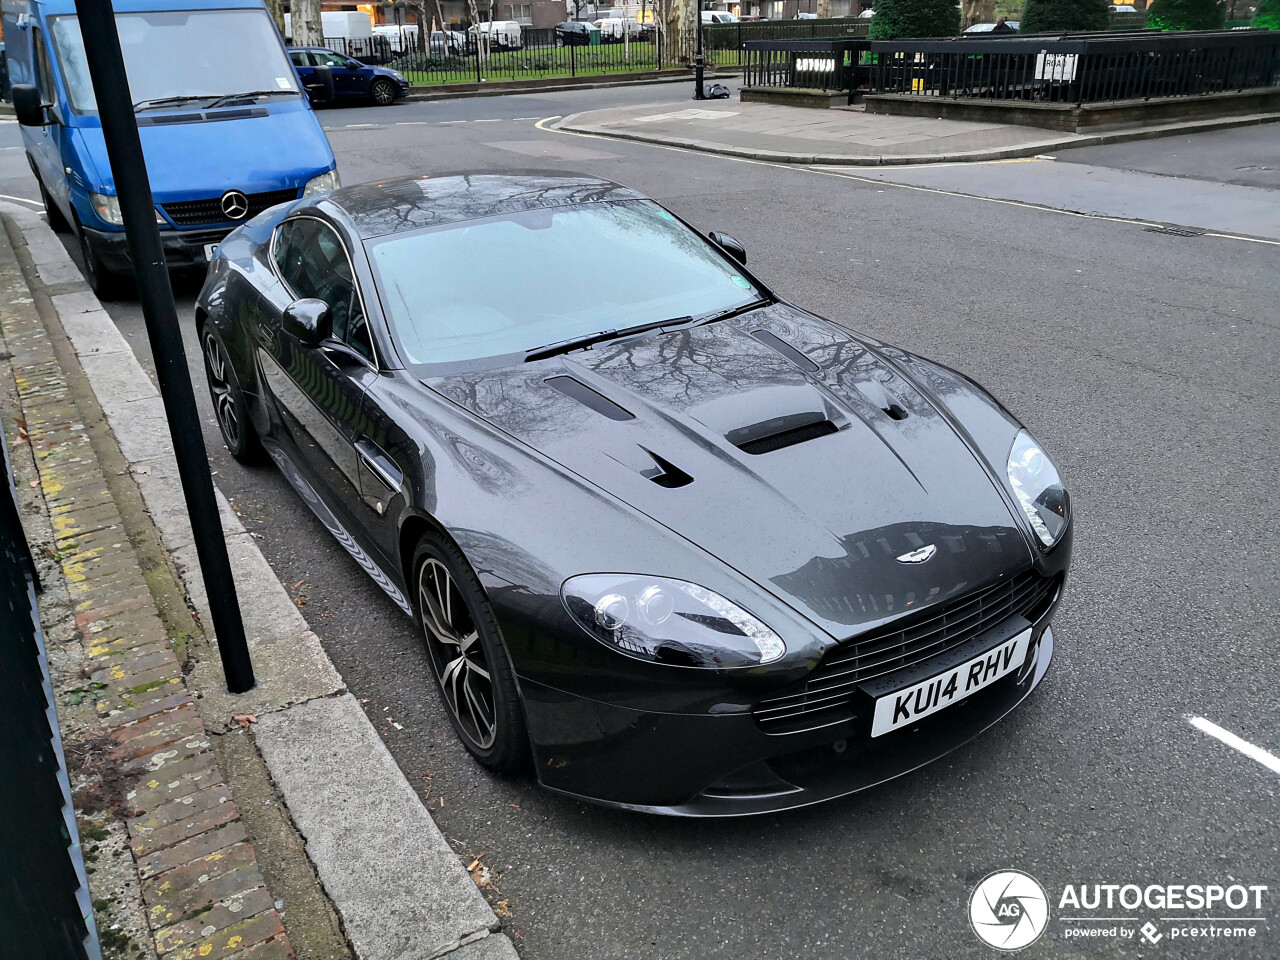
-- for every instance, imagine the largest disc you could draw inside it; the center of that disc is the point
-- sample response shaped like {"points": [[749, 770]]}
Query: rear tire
{"points": [[473, 672], [57, 222], [382, 93]]}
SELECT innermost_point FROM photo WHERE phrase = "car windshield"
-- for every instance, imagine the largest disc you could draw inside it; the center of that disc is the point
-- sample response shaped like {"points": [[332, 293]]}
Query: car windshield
{"points": [[510, 284], [182, 53]]}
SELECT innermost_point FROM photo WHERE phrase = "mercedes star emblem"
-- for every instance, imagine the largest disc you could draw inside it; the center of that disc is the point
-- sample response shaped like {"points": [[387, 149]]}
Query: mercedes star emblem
{"points": [[235, 205]]}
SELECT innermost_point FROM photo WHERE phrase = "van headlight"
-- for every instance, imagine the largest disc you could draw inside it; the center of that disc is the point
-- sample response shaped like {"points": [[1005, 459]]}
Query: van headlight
{"points": [[1039, 489], [321, 184], [107, 207], [669, 621]]}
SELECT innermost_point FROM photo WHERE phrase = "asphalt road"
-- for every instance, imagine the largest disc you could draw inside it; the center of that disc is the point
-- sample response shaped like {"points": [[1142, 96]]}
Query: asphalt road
{"points": [[1144, 362]]}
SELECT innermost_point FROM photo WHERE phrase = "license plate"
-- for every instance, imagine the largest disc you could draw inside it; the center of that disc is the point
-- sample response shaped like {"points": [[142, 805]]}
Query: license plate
{"points": [[208, 250], [904, 707]]}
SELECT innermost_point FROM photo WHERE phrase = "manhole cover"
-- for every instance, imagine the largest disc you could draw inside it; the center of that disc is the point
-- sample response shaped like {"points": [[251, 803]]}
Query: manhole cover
{"points": [[1177, 231]]}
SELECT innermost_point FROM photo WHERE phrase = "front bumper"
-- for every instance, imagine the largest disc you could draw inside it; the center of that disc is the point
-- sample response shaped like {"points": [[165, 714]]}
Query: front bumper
{"points": [[182, 248], [660, 763]]}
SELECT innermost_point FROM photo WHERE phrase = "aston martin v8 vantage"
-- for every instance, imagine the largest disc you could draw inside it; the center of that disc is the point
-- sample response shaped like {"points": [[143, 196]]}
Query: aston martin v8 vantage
{"points": [[672, 542]]}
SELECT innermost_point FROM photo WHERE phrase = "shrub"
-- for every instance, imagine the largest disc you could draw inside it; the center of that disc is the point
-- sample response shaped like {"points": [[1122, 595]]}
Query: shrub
{"points": [[1056, 16], [429, 63], [1267, 16], [914, 18], [1186, 15]]}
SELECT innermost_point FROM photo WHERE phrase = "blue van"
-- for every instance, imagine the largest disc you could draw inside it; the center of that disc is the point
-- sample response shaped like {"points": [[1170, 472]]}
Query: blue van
{"points": [[226, 128]]}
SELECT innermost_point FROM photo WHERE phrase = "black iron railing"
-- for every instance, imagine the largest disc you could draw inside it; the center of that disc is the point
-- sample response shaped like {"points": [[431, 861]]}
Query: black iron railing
{"points": [[1080, 68], [44, 897], [829, 65]]}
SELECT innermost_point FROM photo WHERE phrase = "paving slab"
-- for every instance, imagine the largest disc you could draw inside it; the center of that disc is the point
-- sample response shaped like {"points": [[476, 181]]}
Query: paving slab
{"points": [[337, 776]]}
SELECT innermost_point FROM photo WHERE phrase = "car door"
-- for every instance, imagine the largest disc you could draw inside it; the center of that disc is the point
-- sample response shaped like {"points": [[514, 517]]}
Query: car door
{"points": [[346, 80], [319, 389], [45, 144], [305, 70]]}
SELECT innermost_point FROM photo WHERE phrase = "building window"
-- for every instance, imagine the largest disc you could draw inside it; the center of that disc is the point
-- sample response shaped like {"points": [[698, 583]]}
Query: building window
{"points": [[519, 11]]}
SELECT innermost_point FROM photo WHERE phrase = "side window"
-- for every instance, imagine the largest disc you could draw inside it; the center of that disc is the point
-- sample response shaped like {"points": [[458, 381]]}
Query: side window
{"points": [[44, 76], [329, 59], [299, 58], [314, 264]]}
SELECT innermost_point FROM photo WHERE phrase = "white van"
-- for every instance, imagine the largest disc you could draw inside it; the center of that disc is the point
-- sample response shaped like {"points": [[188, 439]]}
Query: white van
{"points": [[501, 33], [616, 29], [718, 16]]}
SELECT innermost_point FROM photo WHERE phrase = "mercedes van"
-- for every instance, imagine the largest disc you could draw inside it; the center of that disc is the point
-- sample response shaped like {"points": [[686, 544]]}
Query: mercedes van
{"points": [[225, 127]]}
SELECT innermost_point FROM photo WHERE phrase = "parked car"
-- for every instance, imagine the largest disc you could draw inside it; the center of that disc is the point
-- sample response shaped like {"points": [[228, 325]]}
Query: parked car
{"points": [[680, 547], [450, 43], [978, 28], [718, 16], [401, 39], [503, 34], [1122, 8], [225, 128], [352, 80], [573, 33], [617, 29], [866, 14]]}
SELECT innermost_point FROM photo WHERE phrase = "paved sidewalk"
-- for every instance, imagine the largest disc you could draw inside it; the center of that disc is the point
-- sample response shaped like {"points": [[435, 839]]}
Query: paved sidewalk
{"points": [[182, 778], [842, 135]]}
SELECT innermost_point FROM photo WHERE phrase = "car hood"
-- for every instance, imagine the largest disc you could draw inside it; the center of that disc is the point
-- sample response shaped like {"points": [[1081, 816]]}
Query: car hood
{"points": [[278, 147], [698, 430]]}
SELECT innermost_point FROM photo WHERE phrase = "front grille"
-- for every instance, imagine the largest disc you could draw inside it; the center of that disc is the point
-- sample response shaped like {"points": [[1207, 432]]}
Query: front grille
{"points": [[192, 213], [828, 695]]}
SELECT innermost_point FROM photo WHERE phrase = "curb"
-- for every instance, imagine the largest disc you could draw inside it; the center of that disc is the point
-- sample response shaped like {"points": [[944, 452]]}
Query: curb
{"points": [[401, 892], [572, 124], [572, 83]]}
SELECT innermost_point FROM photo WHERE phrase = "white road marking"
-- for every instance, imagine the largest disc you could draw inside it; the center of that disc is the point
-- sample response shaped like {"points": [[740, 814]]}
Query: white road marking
{"points": [[413, 123], [526, 118], [490, 120], [35, 203], [443, 122], [1268, 760]]}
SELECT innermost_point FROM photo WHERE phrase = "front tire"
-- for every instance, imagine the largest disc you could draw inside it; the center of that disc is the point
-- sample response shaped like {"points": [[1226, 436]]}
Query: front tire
{"points": [[104, 284], [468, 657], [382, 93], [229, 406], [57, 222]]}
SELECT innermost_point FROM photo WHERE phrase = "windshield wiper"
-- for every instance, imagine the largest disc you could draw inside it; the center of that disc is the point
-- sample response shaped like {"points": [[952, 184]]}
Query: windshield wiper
{"points": [[166, 101], [250, 95], [578, 343], [732, 311]]}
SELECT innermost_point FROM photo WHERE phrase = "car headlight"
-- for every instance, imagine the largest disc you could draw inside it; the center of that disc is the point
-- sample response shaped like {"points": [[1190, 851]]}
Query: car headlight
{"points": [[107, 208], [321, 184], [669, 621], [398, 76], [1039, 489]]}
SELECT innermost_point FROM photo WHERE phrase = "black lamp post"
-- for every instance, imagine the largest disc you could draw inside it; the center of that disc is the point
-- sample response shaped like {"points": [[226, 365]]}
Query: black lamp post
{"points": [[699, 92]]}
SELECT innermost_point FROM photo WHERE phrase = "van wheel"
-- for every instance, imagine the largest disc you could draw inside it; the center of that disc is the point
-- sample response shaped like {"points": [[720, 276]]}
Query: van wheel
{"points": [[104, 284], [57, 222], [382, 93]]}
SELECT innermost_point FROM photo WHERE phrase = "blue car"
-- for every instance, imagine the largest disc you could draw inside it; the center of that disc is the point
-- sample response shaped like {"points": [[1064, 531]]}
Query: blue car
{"points": [[351, 78]]}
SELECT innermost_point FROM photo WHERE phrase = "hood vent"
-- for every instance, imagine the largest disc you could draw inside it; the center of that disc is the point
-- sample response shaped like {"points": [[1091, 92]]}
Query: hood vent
{"points": [[788, 437], [778, 345], [665, 473], [579, 391]]}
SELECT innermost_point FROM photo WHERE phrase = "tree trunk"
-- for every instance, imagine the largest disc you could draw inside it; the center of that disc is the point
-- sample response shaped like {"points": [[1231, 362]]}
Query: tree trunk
{"points": [[681, 22], [304, 18], [824, 9], [276, 9]]}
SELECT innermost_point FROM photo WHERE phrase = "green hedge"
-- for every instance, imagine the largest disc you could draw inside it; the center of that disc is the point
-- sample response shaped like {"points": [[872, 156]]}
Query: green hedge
{"points": [[1186, 15]]}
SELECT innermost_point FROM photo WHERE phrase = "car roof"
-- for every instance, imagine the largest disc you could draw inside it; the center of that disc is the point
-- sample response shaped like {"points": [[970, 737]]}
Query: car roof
{"points": [[411, 203]]}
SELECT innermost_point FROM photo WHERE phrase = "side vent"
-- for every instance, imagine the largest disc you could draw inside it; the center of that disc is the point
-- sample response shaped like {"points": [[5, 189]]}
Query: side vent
{"points": [[785, 438], [665, 473], [781, 346], [895, 411], [579, 391]]}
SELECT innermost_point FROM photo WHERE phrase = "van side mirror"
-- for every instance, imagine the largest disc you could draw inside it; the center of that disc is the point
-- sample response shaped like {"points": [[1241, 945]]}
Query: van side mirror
{"points": [[308, 321], [730, 246], [29, 106]]}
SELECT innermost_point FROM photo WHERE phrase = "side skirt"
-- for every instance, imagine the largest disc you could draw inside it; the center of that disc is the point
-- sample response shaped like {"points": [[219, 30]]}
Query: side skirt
{"points": [[325, 516]]}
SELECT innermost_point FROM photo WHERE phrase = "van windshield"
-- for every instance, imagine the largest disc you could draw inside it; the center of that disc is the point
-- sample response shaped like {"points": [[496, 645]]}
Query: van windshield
{"points": [[182, 53]]}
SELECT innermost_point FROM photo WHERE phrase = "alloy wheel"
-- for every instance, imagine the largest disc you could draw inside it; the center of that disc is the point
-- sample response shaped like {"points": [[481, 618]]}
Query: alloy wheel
{"points": [[457, 654], [224, 404], [383, 93]]}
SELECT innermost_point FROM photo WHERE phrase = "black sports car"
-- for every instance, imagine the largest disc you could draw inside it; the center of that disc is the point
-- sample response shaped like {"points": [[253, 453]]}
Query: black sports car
{"points": [[687, 547]]}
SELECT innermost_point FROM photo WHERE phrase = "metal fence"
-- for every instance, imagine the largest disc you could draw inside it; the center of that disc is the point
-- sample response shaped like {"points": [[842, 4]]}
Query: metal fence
{"points": [[1088, 68], [44, 897], [830, 65]]}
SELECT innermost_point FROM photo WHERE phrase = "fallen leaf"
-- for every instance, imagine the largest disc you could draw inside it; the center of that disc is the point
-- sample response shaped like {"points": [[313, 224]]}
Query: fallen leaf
{"points": [[502, 908], [244, 719]]}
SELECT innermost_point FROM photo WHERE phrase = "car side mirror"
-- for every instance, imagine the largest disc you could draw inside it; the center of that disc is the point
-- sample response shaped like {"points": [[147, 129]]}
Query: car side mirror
{"points": [[29, 106], [308, 321], [730, 246]]}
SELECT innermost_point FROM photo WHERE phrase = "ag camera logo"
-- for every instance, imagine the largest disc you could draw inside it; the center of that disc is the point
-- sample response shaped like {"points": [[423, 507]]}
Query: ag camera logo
{"points": [[1008, 910]]}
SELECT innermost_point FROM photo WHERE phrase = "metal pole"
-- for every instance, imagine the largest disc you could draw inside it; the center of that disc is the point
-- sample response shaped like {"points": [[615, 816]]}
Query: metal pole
{"points": [[699, 93], [120, 130]]}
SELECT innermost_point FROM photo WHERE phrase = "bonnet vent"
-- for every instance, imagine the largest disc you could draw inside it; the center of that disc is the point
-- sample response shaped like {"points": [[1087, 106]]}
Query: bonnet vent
{"points": [[579, 391], [788, 436], [778, 345]]}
